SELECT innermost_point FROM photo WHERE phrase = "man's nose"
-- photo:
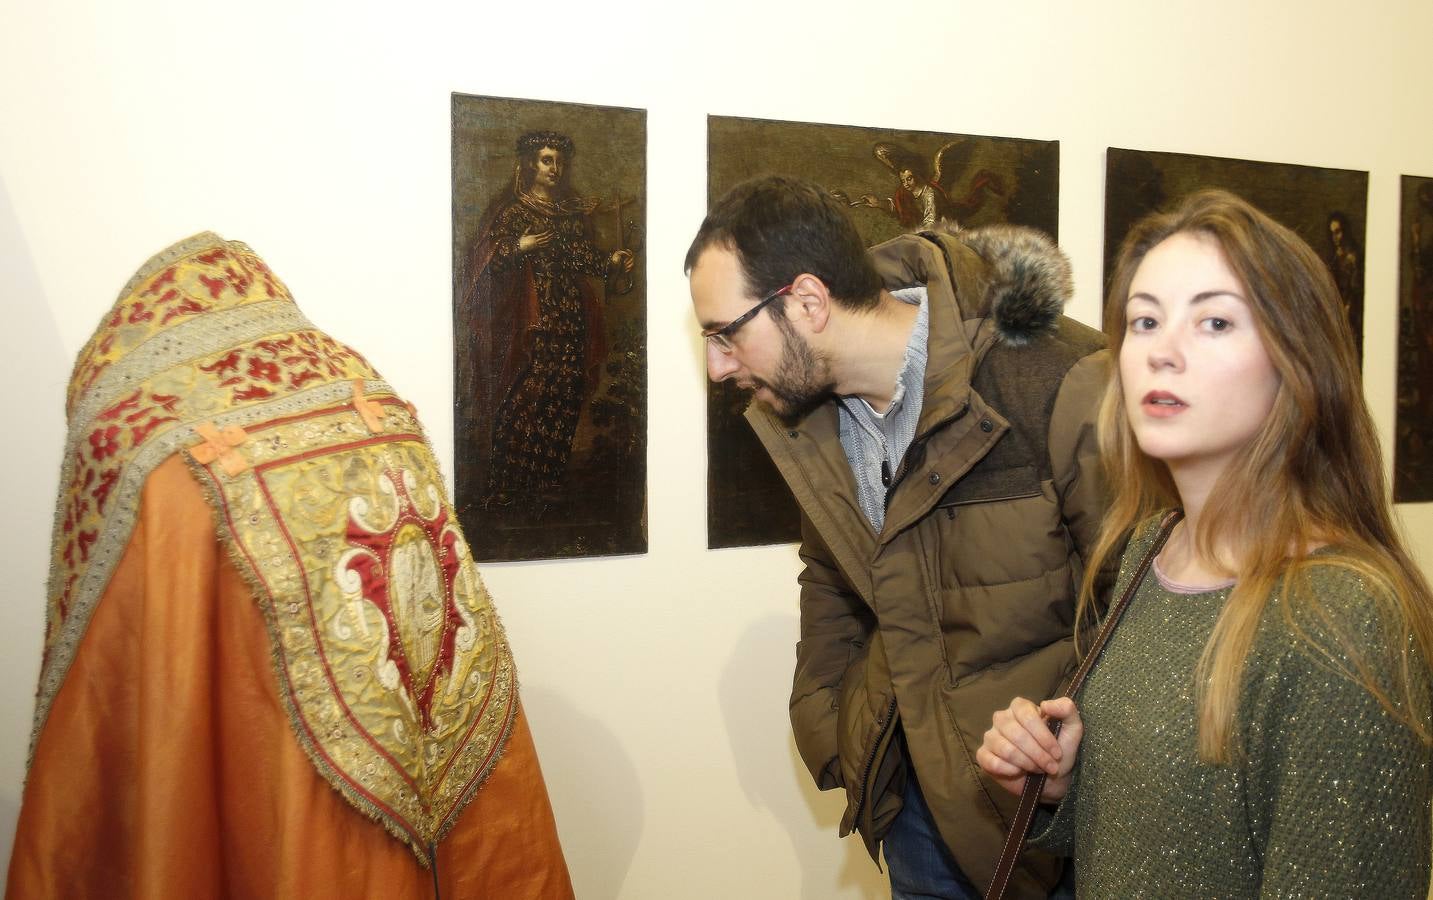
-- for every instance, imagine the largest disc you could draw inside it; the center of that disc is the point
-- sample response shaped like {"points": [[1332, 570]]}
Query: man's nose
{"points": [[720, 366]]}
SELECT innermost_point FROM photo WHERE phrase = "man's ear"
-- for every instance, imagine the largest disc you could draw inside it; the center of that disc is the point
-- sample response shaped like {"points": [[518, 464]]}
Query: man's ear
{"points": [[810, 301]]}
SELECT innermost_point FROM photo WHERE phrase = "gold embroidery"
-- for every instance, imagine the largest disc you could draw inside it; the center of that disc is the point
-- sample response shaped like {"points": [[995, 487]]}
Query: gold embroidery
{"points": [[391, 658]]}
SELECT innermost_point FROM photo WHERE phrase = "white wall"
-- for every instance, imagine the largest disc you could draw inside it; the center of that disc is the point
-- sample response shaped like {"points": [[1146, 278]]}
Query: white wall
{"points": [[319, 134]]}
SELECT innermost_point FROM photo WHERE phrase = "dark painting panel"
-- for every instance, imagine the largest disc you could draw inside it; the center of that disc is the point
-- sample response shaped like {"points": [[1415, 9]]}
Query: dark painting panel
{"points": [[549, 327], [892, 181], [1413, 435], [1328, 208]]}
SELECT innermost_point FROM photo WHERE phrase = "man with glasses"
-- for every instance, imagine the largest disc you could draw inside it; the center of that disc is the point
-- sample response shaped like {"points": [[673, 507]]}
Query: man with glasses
{"points": [[933, 413]]}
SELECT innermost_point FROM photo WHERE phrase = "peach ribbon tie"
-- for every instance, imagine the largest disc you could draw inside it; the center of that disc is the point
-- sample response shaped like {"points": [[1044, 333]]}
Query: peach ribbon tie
{"points": [[221, 444]]}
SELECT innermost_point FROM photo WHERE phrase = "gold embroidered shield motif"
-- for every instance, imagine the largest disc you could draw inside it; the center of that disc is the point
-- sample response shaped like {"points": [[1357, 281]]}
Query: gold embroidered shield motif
{"points": [[392, 662]]}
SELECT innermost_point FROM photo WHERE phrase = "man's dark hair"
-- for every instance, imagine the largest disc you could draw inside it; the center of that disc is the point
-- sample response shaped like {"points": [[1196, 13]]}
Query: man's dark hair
{"points": [[780, 227]]}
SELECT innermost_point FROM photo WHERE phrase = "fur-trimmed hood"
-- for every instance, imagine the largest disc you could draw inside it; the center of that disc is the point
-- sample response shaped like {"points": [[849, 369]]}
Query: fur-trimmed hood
{"points": [[1012, 273], [1030, 279]]}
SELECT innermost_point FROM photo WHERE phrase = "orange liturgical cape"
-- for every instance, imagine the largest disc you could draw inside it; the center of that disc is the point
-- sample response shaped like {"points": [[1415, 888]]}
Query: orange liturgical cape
{"points": [[168, 769], [166, 764]]}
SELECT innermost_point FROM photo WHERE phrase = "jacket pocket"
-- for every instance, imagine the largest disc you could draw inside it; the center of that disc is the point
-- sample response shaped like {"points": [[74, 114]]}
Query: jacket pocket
{"points": [[984, 485]]}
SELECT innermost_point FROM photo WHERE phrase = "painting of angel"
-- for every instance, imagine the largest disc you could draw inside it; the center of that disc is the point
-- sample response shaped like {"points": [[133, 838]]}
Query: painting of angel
{"points": [[922, 195], [893, 181]]}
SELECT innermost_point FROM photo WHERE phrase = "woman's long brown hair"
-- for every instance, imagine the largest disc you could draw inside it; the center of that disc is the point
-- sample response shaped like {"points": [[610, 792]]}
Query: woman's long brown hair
{"points": [[1312, 476]]}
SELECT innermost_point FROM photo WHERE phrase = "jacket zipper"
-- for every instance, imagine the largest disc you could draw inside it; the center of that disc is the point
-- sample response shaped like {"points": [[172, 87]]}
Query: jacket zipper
{"points": [[871, 762], [891, 484]]}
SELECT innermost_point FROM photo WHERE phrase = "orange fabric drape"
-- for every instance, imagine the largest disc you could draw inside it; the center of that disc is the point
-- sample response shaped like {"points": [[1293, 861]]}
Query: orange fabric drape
{"points": [[168, 768]]}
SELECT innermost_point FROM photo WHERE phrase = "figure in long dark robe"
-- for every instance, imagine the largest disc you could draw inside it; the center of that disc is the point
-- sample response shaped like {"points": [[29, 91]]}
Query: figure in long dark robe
{"points": [[537, 324]]}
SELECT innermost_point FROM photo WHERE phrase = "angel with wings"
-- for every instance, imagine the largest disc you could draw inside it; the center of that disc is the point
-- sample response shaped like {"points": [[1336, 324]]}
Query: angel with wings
{"points": [[922, 199]]}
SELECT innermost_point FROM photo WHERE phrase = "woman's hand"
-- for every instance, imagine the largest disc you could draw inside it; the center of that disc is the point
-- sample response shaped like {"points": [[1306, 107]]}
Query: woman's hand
{"points": [[621, 261], [528, 242], [1020, 743]]}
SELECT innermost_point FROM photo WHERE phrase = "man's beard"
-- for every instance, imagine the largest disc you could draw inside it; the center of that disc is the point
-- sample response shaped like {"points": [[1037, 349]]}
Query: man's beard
{"points": [[802, 380]]}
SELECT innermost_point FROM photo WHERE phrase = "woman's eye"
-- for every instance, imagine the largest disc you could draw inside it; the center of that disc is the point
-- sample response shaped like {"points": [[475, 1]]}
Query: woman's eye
{"points": [[1217, 324], [1142, 323]]}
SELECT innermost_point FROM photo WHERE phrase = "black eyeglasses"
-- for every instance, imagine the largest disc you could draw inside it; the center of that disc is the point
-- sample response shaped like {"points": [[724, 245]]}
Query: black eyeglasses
{"points": [[721, 337]]}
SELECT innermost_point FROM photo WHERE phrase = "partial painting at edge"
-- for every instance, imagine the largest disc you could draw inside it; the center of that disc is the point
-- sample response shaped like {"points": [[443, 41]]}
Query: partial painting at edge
{"points": [[1326, 207], [1413, 434], [893, 182], [549, 328]]}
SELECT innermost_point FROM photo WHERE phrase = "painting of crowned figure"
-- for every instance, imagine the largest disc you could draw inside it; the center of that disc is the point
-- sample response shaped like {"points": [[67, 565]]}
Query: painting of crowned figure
{"points": [[549, 319], [893, 181]]}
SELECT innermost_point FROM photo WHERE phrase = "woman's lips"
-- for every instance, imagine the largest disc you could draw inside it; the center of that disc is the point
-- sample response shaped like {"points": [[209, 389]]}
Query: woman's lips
{"points": [[1162, 404]]}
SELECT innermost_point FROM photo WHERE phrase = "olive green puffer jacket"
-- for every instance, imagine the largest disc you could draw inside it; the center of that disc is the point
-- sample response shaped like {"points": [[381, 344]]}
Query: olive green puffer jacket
{"points": [[966, 597]]}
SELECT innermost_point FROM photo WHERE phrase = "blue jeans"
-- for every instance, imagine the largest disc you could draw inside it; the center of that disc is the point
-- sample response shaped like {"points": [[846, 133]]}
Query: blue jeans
{"points": [[920, 864]]}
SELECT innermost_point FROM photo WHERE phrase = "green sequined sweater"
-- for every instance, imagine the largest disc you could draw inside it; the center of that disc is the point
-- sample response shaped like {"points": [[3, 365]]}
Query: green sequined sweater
{"points": [[1328, 795]]}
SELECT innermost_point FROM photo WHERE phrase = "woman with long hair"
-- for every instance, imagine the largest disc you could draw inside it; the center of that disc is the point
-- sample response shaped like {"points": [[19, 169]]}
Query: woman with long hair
{"points": [[1259, 722]]}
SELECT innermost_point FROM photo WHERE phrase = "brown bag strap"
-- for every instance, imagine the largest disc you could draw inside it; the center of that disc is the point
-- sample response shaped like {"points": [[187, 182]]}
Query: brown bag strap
{"points": [[1034, 784]]}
